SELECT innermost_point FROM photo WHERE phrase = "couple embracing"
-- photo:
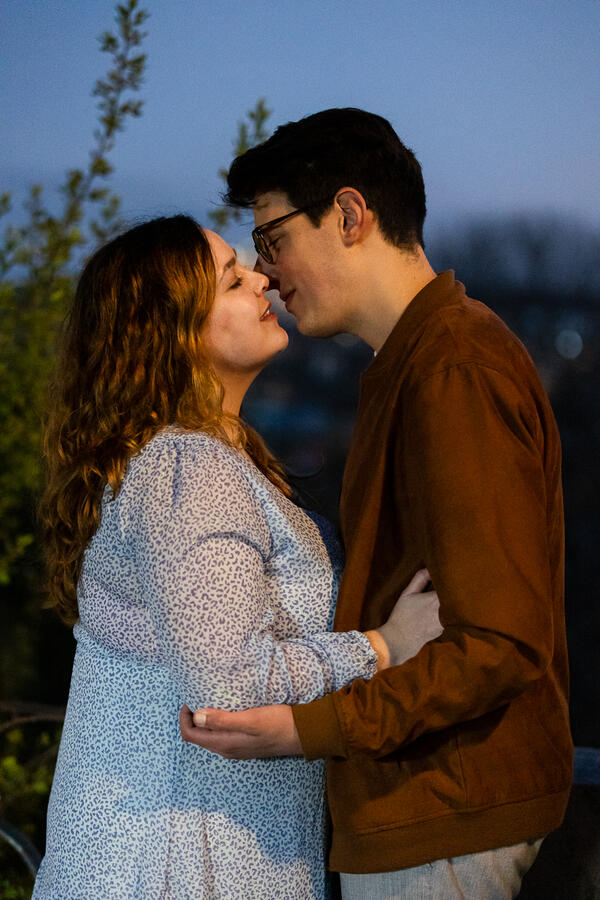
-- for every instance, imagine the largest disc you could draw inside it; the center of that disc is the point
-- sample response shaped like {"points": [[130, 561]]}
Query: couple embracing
{"points": [[195, 580]]}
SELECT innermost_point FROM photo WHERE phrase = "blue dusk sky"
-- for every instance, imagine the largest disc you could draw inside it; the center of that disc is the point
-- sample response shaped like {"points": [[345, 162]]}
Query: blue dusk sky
{"points": [[499, 100]]}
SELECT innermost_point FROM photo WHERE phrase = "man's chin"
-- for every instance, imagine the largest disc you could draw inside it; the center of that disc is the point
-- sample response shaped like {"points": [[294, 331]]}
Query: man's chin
{"points": [[315, 329]]}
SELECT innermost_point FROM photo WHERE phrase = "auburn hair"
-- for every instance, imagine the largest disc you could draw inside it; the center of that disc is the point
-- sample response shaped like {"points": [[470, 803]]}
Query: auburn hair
{"points": [[131, 362]]}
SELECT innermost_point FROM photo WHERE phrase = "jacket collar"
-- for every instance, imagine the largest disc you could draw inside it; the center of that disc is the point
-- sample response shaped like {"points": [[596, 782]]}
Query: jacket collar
{"points": [[442, 291]]}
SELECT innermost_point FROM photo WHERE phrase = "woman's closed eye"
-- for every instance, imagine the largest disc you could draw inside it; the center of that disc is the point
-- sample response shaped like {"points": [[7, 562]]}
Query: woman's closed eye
{"points": [[235, 284]]}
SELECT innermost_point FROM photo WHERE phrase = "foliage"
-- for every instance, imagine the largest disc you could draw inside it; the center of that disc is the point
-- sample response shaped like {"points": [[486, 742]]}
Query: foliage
{"points": [[29, 737], [11, 891], [250, 133], [36, 264]]}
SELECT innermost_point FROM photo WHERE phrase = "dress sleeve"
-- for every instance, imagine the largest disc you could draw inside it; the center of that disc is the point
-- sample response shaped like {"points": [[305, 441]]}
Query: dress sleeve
{"points": [[478, 503], [202, 543]]}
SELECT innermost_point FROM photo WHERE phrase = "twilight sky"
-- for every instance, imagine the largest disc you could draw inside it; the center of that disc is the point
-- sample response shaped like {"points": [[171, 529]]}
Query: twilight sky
{"points": [[499, 100]]}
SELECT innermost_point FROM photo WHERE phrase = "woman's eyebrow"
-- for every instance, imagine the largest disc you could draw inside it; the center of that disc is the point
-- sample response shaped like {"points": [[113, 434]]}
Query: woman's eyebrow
{"points": [[230, 262]]}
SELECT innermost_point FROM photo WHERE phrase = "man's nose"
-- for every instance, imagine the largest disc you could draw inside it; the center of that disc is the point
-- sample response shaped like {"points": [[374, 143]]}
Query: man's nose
{"points": [[267, 269]]}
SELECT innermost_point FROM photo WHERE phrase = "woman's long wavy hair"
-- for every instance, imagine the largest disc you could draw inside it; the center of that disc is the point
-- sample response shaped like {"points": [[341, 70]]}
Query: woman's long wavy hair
{"points": [[132, 361]]}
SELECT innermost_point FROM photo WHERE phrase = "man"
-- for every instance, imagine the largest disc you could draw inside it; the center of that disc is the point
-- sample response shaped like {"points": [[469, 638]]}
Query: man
{"points": [[444, 772]]}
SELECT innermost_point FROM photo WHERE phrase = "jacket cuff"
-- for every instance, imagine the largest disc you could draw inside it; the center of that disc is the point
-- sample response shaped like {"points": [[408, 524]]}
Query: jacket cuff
{"points": [[319, 729]]}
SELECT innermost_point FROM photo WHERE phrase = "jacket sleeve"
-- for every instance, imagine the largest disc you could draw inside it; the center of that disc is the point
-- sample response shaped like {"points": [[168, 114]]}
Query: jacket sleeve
{"points": [[203, 545], [473, 457]]}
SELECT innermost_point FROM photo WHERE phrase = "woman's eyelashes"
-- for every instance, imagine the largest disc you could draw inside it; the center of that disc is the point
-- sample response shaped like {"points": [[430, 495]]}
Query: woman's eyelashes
{"points": [[237, 283]]}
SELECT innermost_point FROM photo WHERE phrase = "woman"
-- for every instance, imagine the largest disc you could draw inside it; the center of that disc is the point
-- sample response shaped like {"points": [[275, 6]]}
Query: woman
{"points": [[191, 577]]}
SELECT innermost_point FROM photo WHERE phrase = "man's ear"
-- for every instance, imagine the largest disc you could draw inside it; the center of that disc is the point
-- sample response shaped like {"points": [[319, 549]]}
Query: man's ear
{"points": [[356, 219]]}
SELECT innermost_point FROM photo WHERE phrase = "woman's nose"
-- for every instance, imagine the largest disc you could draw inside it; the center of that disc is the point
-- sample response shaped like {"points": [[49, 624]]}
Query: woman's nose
{"points": [[262, 282], [268, 271]]}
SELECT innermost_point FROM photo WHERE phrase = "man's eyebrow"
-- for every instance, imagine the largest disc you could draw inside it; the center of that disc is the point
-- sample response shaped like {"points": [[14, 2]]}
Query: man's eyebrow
{"points": [[230, 262], [271, 228]]}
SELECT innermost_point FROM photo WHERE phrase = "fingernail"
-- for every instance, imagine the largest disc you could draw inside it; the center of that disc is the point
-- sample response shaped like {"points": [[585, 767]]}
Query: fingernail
{"points": [[199, 719]]}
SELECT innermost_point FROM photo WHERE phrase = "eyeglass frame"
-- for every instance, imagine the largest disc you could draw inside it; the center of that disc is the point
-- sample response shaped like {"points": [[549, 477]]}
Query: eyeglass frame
{"points": [[259, 238]]}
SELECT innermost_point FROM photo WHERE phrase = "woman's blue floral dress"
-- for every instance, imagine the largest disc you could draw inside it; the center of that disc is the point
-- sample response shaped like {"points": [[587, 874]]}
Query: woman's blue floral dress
{"points": [[203, 585]]}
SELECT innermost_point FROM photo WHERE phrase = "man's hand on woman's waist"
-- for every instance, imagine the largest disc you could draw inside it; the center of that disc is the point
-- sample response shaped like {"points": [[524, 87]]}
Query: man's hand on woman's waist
{"points": [[263, 731]]}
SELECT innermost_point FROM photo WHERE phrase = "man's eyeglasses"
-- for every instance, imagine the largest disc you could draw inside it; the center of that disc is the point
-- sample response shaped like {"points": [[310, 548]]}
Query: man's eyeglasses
{"points": [[259, 237]]}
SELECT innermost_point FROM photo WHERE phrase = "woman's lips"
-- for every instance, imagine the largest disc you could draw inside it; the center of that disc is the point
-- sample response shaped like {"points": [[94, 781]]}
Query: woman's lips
{"points": [[268, 315]]}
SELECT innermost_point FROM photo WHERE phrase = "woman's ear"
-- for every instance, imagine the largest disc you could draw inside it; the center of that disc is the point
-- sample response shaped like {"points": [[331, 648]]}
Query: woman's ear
{"points": [[356, 219]]}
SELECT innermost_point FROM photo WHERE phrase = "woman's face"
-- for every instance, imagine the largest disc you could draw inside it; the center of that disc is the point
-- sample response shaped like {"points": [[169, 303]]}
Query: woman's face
{"points": [[241, 333]]}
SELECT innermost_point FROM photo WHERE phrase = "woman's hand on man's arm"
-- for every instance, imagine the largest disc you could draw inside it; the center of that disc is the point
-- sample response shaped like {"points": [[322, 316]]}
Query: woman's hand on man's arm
{"points": [[413, 622]]}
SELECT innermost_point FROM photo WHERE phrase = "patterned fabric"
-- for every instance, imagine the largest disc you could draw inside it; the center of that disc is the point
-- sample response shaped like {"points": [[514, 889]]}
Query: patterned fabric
{"points": [[203, 585]]}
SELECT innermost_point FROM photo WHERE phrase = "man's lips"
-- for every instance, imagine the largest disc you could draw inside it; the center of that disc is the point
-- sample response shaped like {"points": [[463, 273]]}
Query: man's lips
{"points": [[286, 297]]}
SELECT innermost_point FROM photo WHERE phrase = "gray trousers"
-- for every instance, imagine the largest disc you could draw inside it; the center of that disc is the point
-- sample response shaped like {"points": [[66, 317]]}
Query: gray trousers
{"points": [[492, 875]]}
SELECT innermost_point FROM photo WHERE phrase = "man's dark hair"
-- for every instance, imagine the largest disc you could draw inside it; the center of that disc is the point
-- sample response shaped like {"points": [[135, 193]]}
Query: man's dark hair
{"points": [[311, 159]]}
